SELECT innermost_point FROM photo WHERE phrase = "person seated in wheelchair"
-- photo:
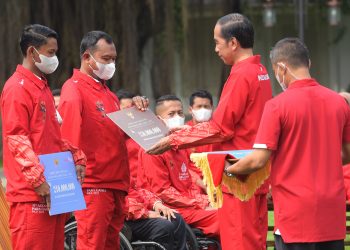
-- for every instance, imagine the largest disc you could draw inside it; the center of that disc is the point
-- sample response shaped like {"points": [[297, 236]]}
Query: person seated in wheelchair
{"points": [[150, 220], [167, 175]]}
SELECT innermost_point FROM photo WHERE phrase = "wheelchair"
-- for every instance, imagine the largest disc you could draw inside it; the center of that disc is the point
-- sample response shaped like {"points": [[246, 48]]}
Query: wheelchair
{"points": [[195, 239], [70, 239]]}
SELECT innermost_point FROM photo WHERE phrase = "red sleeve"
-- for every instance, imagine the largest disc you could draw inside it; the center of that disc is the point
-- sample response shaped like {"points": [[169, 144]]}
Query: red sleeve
{"points": [[221, 128], [269, 128], [23, 152], [16, 110], [201, 134], [137, 210], [150, 197], [159, 182], [78, 155], [70, 108]]}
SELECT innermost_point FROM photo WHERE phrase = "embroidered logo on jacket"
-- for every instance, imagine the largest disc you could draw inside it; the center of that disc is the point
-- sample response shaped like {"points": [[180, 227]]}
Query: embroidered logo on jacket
{"points": [[100, 107], [183, 175], [43, 109]]}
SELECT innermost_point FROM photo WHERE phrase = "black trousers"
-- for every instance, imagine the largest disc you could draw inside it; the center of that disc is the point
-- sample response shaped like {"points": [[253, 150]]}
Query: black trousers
{"points": [[326, 245], [171, 235]]}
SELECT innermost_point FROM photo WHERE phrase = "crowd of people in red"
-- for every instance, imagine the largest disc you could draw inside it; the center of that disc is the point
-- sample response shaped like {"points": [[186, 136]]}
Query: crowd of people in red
{"points": [[304, 132]]}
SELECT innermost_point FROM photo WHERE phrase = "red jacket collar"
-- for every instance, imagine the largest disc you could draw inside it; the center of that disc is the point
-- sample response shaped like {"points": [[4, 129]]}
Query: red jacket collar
{"points": [[303, 83], [41, 83], [88, 79], [250, 60]]}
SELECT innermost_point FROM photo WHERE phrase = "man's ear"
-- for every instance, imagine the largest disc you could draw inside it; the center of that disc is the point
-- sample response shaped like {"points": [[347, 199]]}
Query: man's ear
{"points": [[190, 110], [309, 63], [234, 43], [86, 57], [31, 53]]}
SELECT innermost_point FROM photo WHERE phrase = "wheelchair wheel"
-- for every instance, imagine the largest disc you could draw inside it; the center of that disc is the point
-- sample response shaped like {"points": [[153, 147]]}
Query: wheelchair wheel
{"points": [[70, 238], [191, 239], [124, 243]]}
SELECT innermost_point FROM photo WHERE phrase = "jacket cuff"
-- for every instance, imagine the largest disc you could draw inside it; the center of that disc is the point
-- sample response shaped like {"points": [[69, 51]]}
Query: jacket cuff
{"points": [[39, 181]]}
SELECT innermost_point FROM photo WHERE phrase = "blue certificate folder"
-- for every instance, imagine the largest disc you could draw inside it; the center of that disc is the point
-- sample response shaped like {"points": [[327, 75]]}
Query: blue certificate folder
{"points": [[238, 154], [65, 189]]}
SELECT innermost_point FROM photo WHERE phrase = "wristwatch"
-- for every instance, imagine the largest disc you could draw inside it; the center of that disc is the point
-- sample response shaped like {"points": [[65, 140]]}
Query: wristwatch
{"points": [[227, 173]]}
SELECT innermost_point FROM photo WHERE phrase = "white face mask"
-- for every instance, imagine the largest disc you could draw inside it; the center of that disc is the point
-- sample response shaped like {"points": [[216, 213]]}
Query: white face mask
{"points": [[281, 83], [48, 64], [105, 71], [202, 115], [174, 122]]}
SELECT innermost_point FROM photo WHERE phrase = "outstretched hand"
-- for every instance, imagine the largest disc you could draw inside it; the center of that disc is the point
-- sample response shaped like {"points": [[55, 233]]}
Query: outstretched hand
{"points": [[160, 147]]}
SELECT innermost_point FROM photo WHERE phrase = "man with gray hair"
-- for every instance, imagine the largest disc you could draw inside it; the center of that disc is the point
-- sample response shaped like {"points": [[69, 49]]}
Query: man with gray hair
{"points": [[303, 131]]}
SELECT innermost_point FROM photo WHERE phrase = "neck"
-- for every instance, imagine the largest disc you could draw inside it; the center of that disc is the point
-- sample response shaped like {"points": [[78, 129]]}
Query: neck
{"points": [[31, 67], [86, 70], [194, 122], [299, 74], [242, 54]]}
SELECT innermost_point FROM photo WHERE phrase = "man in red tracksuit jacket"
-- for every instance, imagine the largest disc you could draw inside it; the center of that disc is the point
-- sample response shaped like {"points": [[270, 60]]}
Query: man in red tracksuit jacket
{"points": [[167, 175], [85, 101], [243, 225], [201, 109], [150, 220], [305, 133], [30, 128]]}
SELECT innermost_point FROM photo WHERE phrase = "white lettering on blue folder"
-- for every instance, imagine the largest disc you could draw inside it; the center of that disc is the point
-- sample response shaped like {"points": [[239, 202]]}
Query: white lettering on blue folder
{"points": [[65, 189]]}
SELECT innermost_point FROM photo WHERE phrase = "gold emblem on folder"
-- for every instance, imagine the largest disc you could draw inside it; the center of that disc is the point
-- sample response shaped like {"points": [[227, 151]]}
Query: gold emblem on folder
{"points": [[131, 115]]}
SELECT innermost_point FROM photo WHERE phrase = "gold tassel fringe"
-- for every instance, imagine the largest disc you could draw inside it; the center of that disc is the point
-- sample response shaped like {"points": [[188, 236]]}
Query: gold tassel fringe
{"points": [[214, 193], [243, 190]]}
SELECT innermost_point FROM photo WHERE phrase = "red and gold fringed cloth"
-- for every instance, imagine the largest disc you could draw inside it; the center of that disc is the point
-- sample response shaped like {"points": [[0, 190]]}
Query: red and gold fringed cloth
{"points": [[212, 165]]}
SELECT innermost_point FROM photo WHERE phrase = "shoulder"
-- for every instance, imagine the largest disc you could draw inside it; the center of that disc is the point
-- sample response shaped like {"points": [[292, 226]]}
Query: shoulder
{"points": [[17, 86], [70, 90]]}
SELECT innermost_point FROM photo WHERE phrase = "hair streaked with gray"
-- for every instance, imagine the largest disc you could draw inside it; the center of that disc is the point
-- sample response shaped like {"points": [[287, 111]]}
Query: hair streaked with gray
{"points": [[238, 26], [292, 51]]}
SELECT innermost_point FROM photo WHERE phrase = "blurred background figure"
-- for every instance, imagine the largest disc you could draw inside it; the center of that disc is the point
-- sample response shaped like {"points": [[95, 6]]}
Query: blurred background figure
{"points": [[125, 98]]}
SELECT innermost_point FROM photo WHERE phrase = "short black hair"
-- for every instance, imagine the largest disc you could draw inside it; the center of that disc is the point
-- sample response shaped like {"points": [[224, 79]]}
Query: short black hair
{"points": [[35, 35], [291, 50], [124, 94], [90, 40], [238, 26], [165, 98], [202, 94], [56, 92]]}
